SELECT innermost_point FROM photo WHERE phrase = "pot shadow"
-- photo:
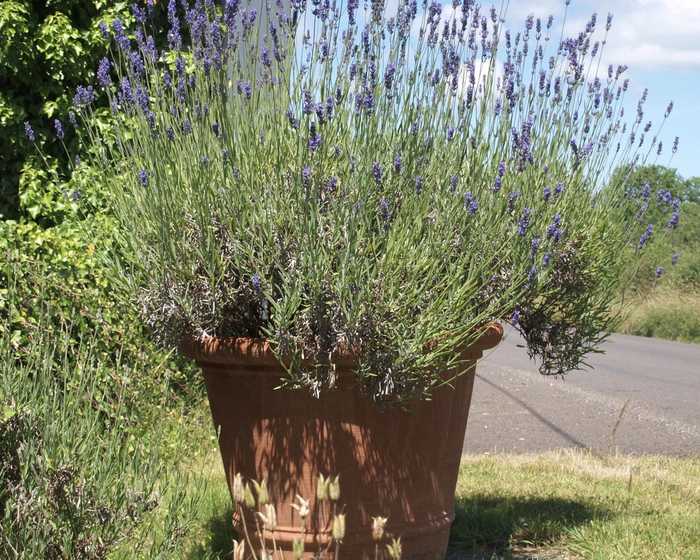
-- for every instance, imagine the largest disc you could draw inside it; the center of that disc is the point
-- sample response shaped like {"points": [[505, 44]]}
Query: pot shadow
{"points": [[219, 545], [486, 525]]}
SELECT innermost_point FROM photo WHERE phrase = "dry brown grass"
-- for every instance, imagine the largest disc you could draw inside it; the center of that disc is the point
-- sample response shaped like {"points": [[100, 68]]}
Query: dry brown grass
{"points": [[668, 313]]}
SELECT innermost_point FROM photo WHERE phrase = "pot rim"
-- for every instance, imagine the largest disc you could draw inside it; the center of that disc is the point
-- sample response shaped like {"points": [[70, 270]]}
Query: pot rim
{"points": [[258, 353]]}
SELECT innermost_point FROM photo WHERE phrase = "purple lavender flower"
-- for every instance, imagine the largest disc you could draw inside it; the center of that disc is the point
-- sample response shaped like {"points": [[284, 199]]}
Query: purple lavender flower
{"points": [[534, 246], [419, 184], [352, 7], [84, 96], [265, 57], [104, 30], [126, 94], [389, 76], [331, 184], [255, 282], [143, 178], [170, 133], [675, 145], [546, 193], [470, 203], [384, 209], [150, 50], [230, 11], [512, 197], [397, 163], [136, 63], [174, 36], [103, 76], [664, 196], [377, 172], [139, 13], [559, 188], [314, 138], [450, 134], [515, 317], [524, 221], [306, 176], [553, 230], [29, 132], [186, 126], [245, 89], [58, 126], [72, 119], [293, 121], [453, 183], [674, 259], [532, 275], [644, 239], [216, 129], [308, 104], [546, 259], [674, 220], [660, 271], [120, 35]]}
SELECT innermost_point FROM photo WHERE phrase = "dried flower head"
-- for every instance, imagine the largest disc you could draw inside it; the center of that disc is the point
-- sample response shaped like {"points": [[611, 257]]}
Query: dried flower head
{"points": [[338, 529], [378, 525]]}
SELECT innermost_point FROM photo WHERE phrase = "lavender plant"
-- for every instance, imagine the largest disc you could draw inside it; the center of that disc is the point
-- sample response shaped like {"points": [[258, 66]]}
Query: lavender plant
{"points": [[381, 178]]}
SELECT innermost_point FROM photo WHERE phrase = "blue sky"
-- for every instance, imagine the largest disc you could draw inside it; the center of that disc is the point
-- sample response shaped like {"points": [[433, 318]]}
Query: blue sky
{"points": [[660, 42]]}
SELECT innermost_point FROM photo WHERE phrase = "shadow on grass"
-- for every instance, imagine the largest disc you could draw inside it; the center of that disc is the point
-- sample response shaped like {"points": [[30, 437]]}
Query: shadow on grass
{"points": [[484, 525], [221, 534], [489, 524]]}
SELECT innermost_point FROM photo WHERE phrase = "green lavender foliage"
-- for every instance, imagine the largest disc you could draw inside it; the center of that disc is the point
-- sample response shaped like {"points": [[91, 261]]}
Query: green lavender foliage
{"points": [[387, 186], [76, 481]]}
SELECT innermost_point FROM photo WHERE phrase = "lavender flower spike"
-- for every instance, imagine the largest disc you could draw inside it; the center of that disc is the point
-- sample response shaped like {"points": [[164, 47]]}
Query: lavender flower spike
{"points": [[29, 131]]}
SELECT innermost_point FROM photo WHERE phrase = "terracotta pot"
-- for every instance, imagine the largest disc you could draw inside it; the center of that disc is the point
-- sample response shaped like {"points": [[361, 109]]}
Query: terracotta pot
{"points": [[400, 464]]}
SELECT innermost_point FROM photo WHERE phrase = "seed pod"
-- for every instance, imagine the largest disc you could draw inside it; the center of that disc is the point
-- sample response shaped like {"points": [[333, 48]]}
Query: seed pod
{"points": [[322, 488], [334, 488], [302, 507], [238, 489], [394, 549], [238, 550], [378, 524], [339, 527], [269, 517], [261, 491], [248, 497]]}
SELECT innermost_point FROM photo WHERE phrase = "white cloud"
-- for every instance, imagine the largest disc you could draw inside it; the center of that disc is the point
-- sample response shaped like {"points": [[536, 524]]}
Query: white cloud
{"points": [[645, 33], [656, 33]]}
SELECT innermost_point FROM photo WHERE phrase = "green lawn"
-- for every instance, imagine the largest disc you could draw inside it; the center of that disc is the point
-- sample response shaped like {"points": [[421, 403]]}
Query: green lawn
{"points": [[577, 505], [567, 505]]}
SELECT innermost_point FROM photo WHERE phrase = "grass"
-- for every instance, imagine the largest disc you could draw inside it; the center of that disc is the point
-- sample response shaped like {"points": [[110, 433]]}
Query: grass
{"points": [[665, 313], [566, 505], [572, 504]]}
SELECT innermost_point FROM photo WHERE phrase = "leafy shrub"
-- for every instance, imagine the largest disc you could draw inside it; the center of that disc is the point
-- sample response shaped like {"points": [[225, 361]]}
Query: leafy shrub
{"points": [[47, 49]]}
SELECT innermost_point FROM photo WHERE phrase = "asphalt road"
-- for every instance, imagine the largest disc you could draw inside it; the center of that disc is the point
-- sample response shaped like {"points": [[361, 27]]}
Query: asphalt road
{"points": [[642, 396]]}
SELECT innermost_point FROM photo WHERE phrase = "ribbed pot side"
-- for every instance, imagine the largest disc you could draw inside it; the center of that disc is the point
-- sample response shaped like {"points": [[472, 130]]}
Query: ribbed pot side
{"points": [[400, 464]]}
